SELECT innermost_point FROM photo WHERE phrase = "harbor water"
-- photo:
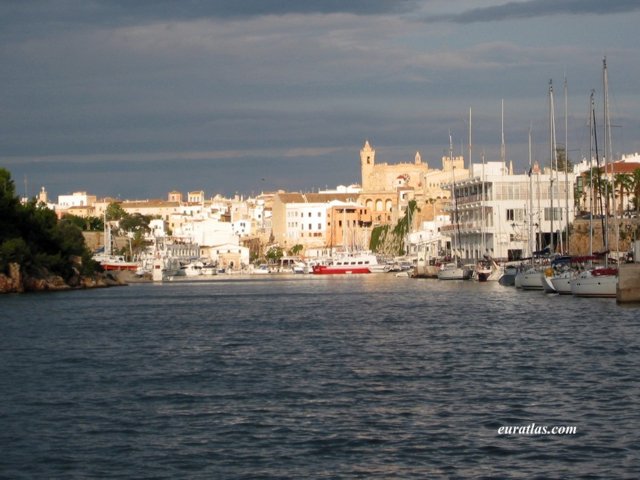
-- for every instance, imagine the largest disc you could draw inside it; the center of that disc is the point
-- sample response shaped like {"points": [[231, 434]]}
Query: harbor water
{"points": [[291, 377]]}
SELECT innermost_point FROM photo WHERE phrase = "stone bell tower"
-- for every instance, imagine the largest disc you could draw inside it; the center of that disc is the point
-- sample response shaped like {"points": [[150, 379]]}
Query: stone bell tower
{"points": [[367, 163]]}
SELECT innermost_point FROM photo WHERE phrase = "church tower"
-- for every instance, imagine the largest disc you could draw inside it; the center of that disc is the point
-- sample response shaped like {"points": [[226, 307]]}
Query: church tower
{"points": [[367, 162]]}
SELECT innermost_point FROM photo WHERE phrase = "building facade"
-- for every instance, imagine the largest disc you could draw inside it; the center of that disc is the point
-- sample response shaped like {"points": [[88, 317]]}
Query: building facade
{"points": [[387, 188], [509, 216]]}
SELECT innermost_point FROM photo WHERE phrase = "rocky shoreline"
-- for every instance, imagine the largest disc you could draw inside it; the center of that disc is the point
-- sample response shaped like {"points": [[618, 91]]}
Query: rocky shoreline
{"points": [[44, 281]]}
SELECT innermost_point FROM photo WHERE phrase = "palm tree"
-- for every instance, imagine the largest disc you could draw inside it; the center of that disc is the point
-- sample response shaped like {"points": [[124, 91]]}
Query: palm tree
{"points": [[624, 183], [595, 178], [635, 186]]}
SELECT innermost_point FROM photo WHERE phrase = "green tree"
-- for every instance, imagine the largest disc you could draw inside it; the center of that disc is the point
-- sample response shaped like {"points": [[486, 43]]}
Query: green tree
{"points": [[562, 160], [32, 236], [114, 211], [87, 224], [598, 186], [274, 254], [624, 184], [13, 250], [135, 222], [296, 249], [9, 207], [635, 186]]}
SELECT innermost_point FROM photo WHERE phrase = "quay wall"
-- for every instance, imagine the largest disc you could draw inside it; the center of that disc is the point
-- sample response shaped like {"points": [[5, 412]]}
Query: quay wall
{"points": [[628, 283]]}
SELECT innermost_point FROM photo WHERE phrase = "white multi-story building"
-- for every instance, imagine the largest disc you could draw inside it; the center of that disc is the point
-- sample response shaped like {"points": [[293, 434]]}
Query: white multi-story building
{"points": [[509, 216], [306, 223]]}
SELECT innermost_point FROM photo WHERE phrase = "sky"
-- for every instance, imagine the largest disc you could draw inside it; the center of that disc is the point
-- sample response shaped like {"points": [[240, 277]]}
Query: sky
{"points": [[132, 99]]}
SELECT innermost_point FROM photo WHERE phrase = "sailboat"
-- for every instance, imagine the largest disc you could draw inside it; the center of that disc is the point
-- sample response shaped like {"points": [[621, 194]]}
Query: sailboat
{"points": [[547, 273], [486, 269], [454, 270], [563, 268], [107, 259], [600, 281]]}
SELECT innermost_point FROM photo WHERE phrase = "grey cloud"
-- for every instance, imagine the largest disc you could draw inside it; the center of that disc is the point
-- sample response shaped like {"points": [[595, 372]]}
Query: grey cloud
{"points": [[538, 8], [65, 13]]}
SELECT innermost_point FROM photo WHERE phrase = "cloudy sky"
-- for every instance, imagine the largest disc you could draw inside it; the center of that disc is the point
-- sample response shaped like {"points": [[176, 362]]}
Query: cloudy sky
{"points": [[135, 98]]}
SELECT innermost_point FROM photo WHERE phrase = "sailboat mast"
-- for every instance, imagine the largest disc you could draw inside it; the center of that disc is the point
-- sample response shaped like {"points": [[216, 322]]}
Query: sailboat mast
{"points": [[599, 181], [566, 163], [609, 152], [552, 157], [592, 119], [606, 156], [530, 198], [469, 162], [503, 153], [482, 214], [453, 196]]}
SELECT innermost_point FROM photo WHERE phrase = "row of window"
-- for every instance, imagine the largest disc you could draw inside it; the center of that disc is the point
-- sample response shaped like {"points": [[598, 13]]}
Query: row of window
{"points": [[301, 214], [295, 225], [352, 262], [518, 214]]}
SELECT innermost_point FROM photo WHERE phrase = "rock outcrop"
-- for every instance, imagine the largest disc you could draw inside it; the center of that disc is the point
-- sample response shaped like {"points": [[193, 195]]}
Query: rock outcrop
{"points": [[16, 281]]}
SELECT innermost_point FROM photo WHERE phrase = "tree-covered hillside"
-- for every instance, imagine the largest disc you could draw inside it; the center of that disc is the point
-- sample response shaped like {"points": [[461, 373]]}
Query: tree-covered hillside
{"points": [[32, 236]]}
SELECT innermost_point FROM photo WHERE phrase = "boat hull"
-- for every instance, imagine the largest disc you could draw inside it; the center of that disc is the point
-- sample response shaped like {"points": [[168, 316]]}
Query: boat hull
{"points": [[130, 266], [530, 280], [562, 283], [457, 273], [596, 283], [335, 270]]}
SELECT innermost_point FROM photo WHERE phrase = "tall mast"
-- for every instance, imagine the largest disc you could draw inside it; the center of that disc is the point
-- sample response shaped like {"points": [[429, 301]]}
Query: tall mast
{"points": [[469, 162], [530, 198], [553, 160], [456, 226], [566, 163], [503, 154], [482, 214], [608, 151], [599, 183], [592, 114]]}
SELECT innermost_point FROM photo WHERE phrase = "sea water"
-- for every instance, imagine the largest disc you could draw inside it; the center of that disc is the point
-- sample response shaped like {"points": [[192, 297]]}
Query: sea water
{"points": [[277, 377]]}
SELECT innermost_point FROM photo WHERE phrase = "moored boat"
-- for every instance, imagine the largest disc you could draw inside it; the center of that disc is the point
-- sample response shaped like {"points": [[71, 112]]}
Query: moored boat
{"points": [[529, 279], [115, 263], [454, 271], [347, 264], [508, 278], [596, 282]]}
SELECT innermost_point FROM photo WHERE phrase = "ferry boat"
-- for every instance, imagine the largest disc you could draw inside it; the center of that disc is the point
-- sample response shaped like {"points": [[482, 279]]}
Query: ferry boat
{"points": [[347, 264]]}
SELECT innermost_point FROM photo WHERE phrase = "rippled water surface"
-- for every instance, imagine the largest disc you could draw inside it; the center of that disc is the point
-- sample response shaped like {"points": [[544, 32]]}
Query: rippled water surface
{"points": [[370, 376]]}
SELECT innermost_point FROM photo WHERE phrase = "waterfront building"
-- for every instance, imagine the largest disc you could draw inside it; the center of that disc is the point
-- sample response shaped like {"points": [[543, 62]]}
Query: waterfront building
{"points": [[229, 256], [508, 216], [348, 226], [301, 218]]}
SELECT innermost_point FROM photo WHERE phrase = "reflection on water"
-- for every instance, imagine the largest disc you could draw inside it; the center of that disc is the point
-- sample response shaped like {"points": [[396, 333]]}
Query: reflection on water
{"points": [[316, 377]]}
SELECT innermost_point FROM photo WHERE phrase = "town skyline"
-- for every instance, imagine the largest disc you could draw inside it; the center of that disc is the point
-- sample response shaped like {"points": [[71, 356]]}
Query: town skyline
{"points": [[232, 97]]}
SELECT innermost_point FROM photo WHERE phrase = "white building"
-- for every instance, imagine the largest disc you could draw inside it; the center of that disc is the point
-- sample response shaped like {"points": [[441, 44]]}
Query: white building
{"points": [[242, 228], [206, 232], [306, 223], [76, 199], [228, 256], [509, 216]]}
